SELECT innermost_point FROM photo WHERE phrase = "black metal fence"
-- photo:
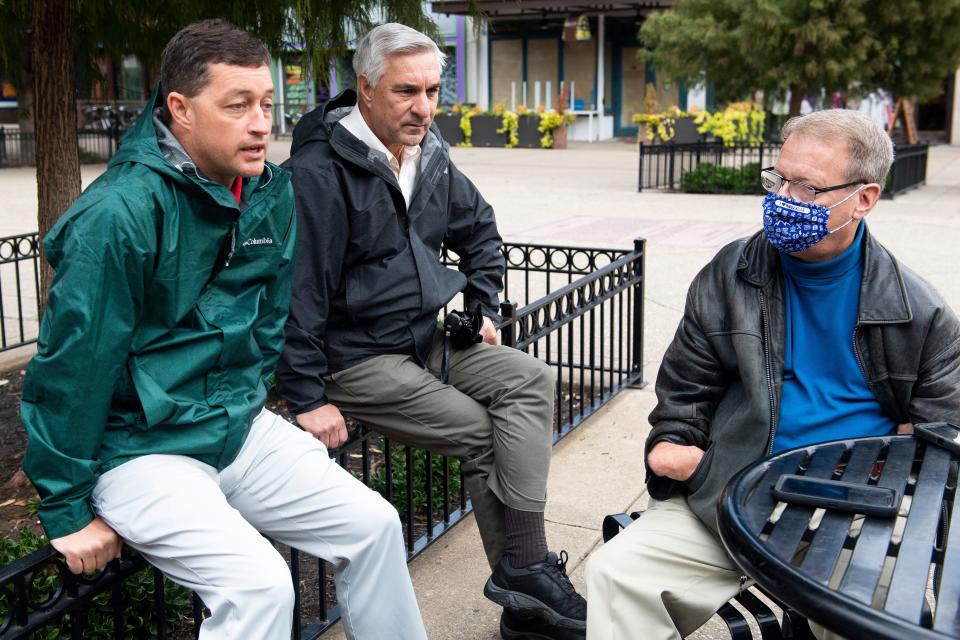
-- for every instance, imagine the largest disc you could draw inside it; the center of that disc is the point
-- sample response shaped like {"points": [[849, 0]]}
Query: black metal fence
{"points": [[19, 290], [909, 169], [582, 311], [711, 167], [669, 166], [18, 148]]}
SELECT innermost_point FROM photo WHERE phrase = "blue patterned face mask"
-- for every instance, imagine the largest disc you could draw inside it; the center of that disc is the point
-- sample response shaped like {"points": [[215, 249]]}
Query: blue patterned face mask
{"points": [[793, 226]]}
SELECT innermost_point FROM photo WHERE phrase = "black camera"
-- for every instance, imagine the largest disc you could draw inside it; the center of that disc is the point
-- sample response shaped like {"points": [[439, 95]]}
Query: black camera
{"points": [[460, 330], [463, 327]]}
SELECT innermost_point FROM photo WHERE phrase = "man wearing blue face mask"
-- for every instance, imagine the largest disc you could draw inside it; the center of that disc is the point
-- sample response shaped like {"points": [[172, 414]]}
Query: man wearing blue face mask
{"points": [[806, 332]]}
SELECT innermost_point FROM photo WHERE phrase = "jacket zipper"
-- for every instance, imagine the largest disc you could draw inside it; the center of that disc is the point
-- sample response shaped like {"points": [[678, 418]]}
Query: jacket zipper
{"points": [[856, 354], [766, 355]]}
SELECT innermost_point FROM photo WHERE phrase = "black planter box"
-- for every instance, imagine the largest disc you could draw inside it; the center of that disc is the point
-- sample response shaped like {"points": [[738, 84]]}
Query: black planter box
{"points": [[484, 131], [685, 131], [449, 126], [527, 131]]}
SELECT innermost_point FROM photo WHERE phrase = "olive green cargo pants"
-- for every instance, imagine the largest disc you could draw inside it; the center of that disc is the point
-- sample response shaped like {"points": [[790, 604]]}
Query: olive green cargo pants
{"points": [[495, 415]]}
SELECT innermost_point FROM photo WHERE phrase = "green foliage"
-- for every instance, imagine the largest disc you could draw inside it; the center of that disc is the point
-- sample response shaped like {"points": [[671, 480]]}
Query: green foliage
{"points": [[511, 126], [659, 126], [709, 178], [740, 122], [378, 479], [139, 618], [805, 45], [550, 120], [115, 28]]}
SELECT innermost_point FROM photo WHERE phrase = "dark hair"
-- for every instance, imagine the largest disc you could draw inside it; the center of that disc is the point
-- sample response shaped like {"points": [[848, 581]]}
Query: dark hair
{"points": [[183, 65]]}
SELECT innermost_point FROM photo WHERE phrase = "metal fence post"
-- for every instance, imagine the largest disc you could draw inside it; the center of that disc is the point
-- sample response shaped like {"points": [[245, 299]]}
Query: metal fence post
{"points": [[670, 161], [3, 145], [639, 268], [508, 330], [640, 178]]}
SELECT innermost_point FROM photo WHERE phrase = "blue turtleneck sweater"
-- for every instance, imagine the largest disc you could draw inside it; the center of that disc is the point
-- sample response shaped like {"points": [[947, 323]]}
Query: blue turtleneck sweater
{"points": [[825, 394]]}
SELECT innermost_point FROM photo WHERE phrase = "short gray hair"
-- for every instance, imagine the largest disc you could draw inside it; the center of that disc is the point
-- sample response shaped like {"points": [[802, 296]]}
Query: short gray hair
{"points": [[392, 38], [869, 147]]}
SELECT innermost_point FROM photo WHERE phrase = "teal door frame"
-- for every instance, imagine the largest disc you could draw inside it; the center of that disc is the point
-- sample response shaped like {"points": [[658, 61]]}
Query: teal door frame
{"points": [[616, 79]]}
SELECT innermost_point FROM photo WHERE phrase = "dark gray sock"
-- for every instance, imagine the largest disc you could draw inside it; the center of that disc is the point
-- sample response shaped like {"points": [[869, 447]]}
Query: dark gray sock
{"points": [[526, 538]]}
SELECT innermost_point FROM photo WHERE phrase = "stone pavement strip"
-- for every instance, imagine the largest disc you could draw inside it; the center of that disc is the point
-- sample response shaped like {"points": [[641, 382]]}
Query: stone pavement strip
{"points": [[587, 195]]}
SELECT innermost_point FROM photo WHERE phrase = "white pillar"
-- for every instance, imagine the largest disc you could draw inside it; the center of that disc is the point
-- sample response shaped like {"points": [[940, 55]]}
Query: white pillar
{"points": [[601, 75], [483, 99], [282, 108], [472, 63], [955, 111]]}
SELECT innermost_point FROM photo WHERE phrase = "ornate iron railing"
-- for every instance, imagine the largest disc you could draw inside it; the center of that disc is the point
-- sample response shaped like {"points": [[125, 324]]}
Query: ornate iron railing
{"points": [[590, 329], [19, 290], [18, 148]]}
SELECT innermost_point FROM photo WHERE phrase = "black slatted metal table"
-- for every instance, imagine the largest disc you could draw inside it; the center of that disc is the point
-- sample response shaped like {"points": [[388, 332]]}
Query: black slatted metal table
{"points": [[829, 569]]}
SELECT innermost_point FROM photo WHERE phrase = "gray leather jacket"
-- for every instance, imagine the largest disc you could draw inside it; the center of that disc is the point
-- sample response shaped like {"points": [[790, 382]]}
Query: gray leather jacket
{"points": [[720, 383]]}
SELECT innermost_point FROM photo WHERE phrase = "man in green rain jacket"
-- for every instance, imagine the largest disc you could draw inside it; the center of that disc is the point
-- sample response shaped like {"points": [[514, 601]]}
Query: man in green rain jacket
{"points": [[144, 404]]}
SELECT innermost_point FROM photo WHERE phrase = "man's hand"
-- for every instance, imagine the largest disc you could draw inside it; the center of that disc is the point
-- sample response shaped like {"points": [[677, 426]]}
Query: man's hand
{"points": [[489, 332], [674, 461], [89, 549], [905, 429], [326, 424]]}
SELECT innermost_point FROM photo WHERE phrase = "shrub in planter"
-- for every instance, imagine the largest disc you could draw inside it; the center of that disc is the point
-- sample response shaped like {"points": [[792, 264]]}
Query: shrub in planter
{"points": [[553, 126], [738, 123], [710, 178]]}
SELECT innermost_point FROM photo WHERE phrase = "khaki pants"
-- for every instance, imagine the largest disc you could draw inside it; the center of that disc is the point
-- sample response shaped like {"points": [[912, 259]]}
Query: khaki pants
{"points": [[495, 415], [664, 576], [205, 530]]}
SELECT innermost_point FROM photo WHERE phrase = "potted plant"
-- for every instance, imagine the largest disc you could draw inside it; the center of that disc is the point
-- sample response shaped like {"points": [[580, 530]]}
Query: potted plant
{"points": [[739, 123], [672, 125], [553, 126]]}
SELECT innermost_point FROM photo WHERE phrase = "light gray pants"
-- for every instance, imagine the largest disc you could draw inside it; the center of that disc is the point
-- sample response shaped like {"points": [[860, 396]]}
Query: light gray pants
{"points": [[495, 415], [664, 576], [202, 528]]}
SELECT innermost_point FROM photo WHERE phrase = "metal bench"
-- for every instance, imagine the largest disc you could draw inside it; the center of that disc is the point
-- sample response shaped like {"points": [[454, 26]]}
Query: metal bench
{"points": [[792, 627]]}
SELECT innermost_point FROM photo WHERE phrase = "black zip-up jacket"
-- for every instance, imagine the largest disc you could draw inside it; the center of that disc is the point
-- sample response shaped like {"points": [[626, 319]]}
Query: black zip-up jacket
{"points": [[720, 383], [368, 279]]}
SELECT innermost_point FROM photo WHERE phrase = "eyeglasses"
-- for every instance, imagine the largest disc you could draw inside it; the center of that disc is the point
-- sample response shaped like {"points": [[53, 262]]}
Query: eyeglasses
{"points": [[773, 182]]}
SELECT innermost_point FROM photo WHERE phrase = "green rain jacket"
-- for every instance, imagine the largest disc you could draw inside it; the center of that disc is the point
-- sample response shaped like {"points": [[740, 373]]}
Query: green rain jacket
{"points": [[163, 324]]}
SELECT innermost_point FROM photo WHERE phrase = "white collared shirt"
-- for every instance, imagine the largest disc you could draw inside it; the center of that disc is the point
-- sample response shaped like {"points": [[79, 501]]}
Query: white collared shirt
{"points": [[407, 173]]}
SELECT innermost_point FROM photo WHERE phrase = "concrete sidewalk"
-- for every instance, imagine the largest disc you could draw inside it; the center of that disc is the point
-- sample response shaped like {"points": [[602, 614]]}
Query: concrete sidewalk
{"points": [[586, 195]]}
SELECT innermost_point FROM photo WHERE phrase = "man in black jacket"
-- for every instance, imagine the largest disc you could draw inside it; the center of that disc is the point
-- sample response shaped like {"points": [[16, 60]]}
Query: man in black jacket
{"points": [[809, 331], [377, 196]]}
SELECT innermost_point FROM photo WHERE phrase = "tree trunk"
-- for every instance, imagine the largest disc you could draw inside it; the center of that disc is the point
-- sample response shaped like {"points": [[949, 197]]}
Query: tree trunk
{"points": [[55, 119], [796, 99]]}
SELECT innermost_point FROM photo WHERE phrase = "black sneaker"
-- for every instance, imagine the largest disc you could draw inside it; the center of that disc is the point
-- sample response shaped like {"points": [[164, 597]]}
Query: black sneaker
{"points": [[542, 589], [518, 626]]}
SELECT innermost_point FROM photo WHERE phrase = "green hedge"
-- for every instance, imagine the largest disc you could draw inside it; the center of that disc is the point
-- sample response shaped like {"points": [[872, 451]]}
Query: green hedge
{"points": [[710, 178]]}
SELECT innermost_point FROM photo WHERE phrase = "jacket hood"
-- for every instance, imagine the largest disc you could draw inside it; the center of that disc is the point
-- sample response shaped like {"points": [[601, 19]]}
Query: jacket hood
{"points": [[318, 124], [883, 297], [140, 143]]}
